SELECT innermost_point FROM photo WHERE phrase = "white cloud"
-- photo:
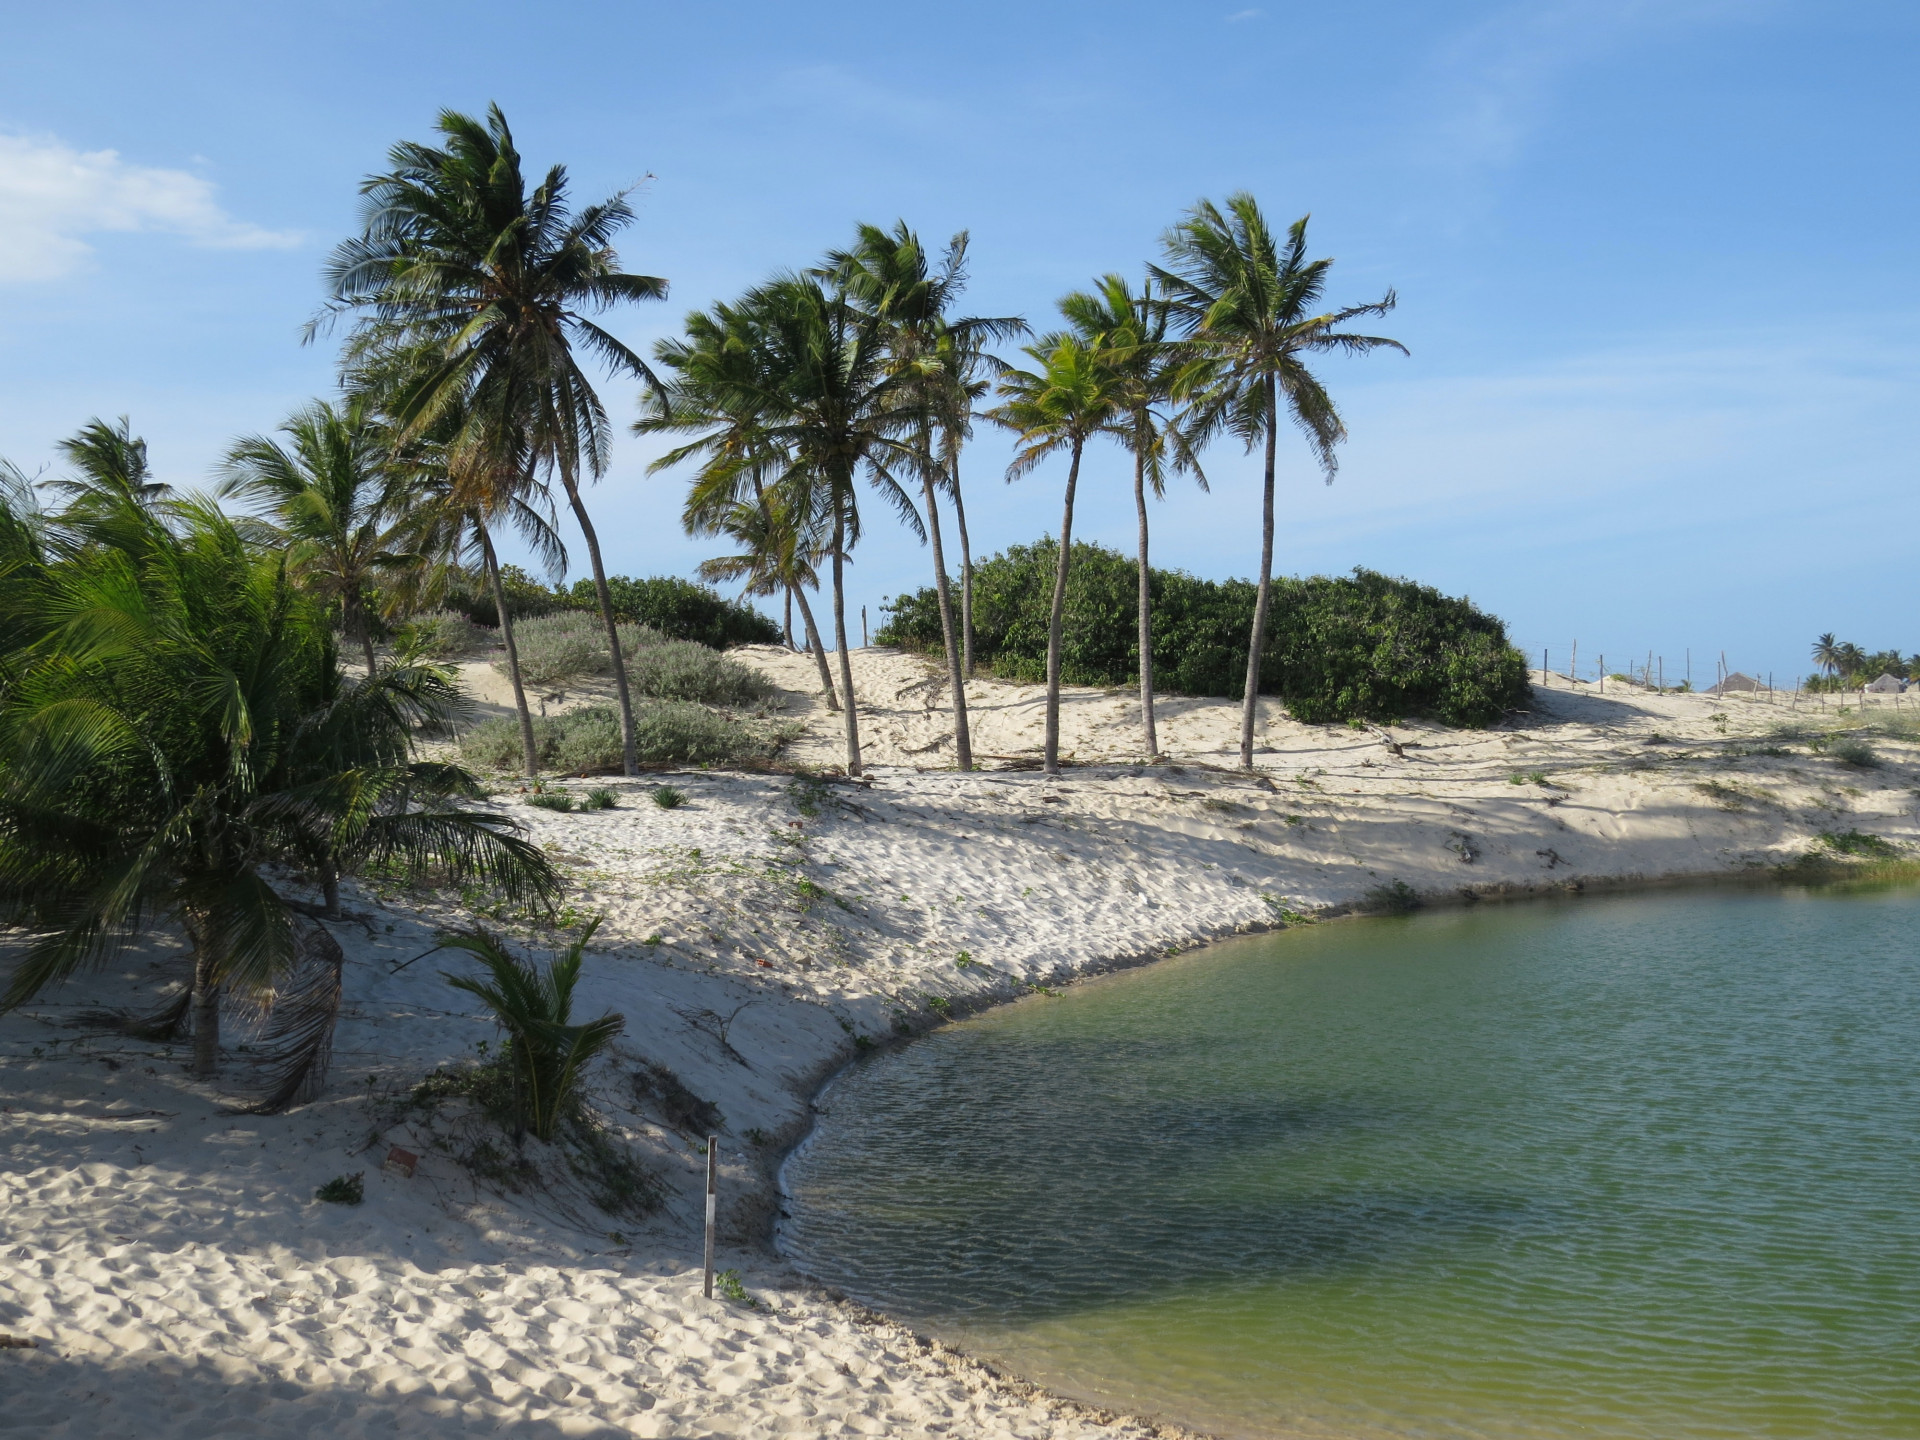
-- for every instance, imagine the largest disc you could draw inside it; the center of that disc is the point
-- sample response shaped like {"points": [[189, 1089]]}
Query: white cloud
{"points": [[51, 196], [1240, 15]]}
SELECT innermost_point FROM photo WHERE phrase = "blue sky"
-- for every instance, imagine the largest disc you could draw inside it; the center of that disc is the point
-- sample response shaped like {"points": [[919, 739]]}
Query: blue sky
{"points": [[1656, 262]]}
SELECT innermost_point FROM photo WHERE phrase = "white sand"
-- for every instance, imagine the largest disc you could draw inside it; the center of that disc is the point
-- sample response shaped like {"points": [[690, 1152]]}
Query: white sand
{"points": [[178, 1278]]}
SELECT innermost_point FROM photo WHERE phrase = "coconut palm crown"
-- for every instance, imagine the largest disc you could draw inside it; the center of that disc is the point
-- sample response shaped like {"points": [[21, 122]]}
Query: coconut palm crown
{"points": [[1251, 306]]}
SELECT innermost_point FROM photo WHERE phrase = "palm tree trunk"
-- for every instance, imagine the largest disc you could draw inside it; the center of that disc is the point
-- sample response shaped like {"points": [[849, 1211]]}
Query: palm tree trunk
{"points": [[962, 740], [819, 650], [1250, 708], [528, 748], [629, 751], [330, 890], [205, 1010], [966, 576], [786, 626], [840, 637], [1052, 752], [1146, 611]]}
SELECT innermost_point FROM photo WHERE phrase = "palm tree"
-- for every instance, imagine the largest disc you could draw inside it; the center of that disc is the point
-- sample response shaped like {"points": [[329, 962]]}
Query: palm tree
{"points": [[966, 367], [112, 465], [474, 295], [717, 395], [1134, 329], [888, 275], [334, 500], [1072, 396], [775, 556], [812, 370], [176, 735], [545, 1051], [1827, 653], [1249, 304]]}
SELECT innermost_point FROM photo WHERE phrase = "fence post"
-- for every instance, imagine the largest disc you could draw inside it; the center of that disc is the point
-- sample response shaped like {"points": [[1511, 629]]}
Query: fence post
{"points": [[713, 1198]]}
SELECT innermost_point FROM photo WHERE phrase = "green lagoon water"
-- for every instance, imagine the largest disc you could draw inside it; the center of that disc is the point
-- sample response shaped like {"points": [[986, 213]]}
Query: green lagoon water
{"points": [[1638, 1167]]}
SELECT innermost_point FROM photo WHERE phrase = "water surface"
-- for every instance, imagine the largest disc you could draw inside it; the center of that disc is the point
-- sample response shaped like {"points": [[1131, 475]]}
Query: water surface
{"points": [[1608, 1168]]}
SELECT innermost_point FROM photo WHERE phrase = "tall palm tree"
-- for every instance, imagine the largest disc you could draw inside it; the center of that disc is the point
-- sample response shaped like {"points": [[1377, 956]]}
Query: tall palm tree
{"points": [[966, 379], [717, 394], [888, 274], [1070, 397], [176, 737], [334, 499], [474, 295], [1250, 304], [1148, 366]]}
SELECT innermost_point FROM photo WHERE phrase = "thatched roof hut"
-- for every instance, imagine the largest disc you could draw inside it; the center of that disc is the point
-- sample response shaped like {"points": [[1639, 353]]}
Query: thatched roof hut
{"points": [[1887, 684], [1736, 684]]}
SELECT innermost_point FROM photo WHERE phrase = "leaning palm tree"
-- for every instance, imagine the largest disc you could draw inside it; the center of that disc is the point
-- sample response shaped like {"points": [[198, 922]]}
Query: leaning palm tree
{"points": [[1073, 395], [1149, 367], [887, 273], [716, 395], [176, 740], [474, 295], [807, 388], [1249, 304], [777, 554], [334, 499]]}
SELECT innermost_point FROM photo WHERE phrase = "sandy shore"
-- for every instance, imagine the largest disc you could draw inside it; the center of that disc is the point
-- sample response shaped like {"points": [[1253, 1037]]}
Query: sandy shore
{"points": [[168, 1261]]}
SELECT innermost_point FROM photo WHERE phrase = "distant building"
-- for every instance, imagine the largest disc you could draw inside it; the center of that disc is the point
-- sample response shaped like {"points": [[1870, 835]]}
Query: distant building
{"points": [[1736, 684], [1887, 685]]}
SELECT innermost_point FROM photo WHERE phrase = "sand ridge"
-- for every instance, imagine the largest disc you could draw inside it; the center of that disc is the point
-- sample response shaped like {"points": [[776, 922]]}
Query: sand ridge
{"points": [[166, 1254]]}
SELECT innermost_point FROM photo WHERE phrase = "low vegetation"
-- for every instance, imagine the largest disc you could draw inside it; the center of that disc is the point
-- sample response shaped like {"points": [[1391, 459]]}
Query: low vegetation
{"points": [[587, 741], [1364, 646]]}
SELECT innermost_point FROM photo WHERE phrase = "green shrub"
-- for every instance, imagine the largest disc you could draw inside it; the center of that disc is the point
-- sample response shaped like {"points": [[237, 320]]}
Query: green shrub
{"points": [[1858, 842], [587, 741], [1362, 646], [684, 670], [442, 635], [553, 800], [1397, 898], [668, 798], [681, 610], [343, 1189], [1856, 753], [601, 799], [557, 648]]}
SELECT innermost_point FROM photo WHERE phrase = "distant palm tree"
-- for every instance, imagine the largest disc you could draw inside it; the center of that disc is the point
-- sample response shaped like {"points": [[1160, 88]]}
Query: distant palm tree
{"points": [[1249, 304], [888, 274], [813, 371], [776, 556], [717, 395], [332, 496], [475, 295], [1073, 394], [176, 740], [112, 465], [966, 371], [1827, 653], [1134, 329]]}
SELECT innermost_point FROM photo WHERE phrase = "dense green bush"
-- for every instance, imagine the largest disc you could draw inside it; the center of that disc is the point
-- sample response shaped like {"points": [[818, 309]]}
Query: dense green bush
{"points": [[1364, 645], [587, 741], [681, 610]]}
